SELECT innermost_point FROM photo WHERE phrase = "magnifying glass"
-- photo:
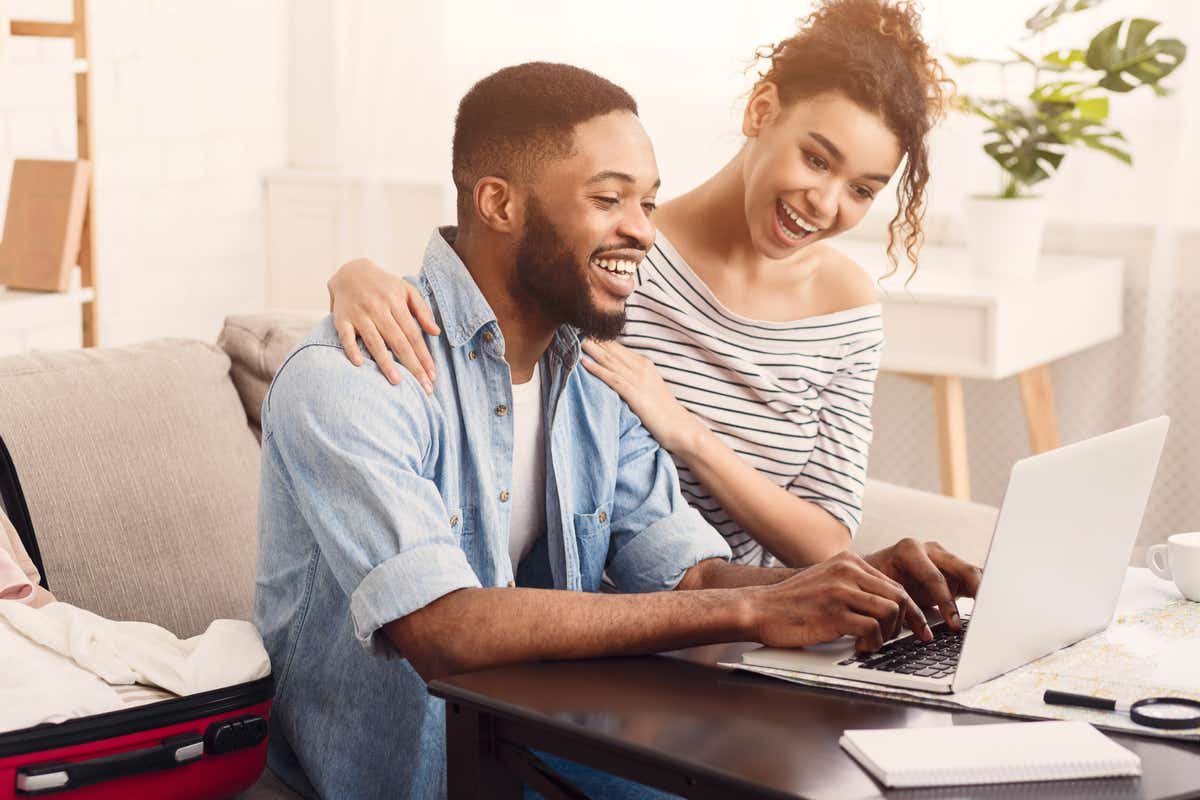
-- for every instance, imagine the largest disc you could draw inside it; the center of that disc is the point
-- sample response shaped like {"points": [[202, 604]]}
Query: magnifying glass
{"points": [[1168, 713]]}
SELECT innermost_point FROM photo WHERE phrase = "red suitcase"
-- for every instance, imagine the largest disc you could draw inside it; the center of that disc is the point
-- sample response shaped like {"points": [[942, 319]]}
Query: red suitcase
{"points": [[208, 745]]}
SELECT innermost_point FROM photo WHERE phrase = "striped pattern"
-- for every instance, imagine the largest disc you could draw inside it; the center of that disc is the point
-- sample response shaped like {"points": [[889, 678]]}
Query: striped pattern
{"points": [[791, 398]]}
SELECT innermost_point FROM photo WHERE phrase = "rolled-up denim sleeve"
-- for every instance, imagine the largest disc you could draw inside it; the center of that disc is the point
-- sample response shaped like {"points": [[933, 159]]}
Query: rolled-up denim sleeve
{"points": [[656, 536], [354, 452]]}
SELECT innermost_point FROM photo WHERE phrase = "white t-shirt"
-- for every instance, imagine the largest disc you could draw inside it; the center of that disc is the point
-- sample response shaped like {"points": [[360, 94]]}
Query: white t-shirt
{"points": [[527, 517]]}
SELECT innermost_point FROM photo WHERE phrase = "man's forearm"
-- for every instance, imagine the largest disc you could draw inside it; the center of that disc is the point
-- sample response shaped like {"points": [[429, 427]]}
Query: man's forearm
{"points": [[473, 629]]}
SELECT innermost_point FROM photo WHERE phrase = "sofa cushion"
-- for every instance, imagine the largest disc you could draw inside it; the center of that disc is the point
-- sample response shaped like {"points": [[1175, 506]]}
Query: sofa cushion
{"points": [[257, 344], [891, 513], [141, 476]]}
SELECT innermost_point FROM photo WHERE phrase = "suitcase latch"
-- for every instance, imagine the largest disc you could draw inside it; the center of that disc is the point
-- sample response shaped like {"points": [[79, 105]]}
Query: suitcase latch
{"points": [[234, 734]]}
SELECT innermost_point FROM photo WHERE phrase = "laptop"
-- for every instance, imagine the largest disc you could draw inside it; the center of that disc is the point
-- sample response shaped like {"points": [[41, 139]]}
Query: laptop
{"points": [[1053, 573]]}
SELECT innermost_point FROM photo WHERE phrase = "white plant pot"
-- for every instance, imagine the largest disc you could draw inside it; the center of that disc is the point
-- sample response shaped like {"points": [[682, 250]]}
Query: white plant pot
{"points": [[1004, 235]]}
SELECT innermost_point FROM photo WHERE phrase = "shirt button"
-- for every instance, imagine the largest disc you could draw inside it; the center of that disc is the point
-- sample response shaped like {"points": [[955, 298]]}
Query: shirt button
{"points": [[603, 516], [501, 410], [487, 336], [471, 355], [453, 521], [504, 496]]}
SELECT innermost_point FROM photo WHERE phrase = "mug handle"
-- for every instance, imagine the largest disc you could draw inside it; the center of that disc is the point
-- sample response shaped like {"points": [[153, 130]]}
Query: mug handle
{"points": [[1159, 566]]}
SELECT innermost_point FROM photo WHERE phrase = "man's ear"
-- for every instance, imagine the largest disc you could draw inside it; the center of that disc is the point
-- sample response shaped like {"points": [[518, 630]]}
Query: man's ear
{"points": [[761, 109], [496, 204]]}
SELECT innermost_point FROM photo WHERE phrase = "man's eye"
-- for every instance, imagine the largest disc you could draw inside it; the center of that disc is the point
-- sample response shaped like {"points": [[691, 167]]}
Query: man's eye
{"points": [[607, 202], [649, 208]]}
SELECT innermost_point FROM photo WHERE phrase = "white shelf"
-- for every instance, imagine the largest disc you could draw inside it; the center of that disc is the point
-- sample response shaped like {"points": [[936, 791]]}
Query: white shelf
{"points": [[41, 320], [17, 300], [75, 66]]}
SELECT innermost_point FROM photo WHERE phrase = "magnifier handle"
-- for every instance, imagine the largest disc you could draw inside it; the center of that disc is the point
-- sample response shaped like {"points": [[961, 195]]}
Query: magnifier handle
{"points": [[1057, 698]]}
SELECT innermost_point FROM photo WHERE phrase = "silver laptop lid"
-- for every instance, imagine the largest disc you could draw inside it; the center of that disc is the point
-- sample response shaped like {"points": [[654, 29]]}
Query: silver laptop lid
{"points": [[1063, 538]]}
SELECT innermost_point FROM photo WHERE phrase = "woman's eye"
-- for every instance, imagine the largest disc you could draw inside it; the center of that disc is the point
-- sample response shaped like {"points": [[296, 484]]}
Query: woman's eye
{"points": [[817, 162], [863, 192], [649, 208]]}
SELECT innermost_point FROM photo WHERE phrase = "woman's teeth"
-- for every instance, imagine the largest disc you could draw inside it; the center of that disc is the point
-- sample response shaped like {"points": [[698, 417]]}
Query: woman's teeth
{"points": [[616, 267], [797, 220]]}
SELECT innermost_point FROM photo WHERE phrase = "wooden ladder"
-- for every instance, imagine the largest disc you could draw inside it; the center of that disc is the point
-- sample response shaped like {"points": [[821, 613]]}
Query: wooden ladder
{"points": [[76, 31]]}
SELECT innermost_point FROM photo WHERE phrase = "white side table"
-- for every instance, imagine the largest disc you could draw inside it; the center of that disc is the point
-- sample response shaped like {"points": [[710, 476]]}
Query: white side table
{"points": [[951, 323]]}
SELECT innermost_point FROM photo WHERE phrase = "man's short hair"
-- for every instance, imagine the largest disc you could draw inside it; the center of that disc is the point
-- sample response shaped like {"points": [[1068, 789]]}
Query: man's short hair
{"points": [[522, 116]]}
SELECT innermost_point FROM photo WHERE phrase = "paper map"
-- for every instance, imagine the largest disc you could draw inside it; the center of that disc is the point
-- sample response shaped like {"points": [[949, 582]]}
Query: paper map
{"points": [[1144, 652]]}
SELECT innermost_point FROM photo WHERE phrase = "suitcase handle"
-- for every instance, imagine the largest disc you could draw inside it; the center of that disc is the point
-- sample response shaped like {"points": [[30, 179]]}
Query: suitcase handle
{"points": [[61, 776]]}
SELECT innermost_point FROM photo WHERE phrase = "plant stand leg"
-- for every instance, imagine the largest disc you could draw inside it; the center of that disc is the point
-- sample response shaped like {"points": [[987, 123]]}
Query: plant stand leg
{"points": [[1037, 395]]}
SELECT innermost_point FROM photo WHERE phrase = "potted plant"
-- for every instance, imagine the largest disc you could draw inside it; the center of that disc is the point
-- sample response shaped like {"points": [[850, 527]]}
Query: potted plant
{"points": [[1068, 107]]}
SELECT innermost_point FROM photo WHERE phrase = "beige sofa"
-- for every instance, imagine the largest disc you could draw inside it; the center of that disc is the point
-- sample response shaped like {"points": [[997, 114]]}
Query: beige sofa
{"points": [[140, 466]]}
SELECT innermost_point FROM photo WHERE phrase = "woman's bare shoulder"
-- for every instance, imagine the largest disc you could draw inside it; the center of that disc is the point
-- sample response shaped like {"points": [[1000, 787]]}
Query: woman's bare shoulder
{"points": [[843, 282]]}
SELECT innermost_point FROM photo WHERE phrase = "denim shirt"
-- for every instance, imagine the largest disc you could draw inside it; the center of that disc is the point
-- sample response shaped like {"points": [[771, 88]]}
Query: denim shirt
{"points": [[376, 500]]}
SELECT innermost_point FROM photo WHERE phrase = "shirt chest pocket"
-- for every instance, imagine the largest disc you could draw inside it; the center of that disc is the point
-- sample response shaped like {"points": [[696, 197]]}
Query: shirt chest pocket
{"points": [[462, 528], [592, 538]]}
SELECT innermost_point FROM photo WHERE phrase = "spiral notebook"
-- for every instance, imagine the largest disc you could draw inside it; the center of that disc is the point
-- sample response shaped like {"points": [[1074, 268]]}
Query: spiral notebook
{"points": [[1006, 753]]}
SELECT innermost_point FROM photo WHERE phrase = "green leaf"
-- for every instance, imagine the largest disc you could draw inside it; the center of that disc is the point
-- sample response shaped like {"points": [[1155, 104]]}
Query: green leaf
{"points": [[1021, 142], [1064, 59], [962, 61], [970, 61], [1052, 13], [1059, 91], [1097, 143], [1073, 129], [1139, 62], [1022, 58], [994, 111], [1074, 97], [1030, 142], [1092, 108]]}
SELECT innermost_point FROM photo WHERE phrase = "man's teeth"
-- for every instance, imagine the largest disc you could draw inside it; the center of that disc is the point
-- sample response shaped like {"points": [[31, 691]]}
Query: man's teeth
{"points": [[615, 266], [796, 218]]}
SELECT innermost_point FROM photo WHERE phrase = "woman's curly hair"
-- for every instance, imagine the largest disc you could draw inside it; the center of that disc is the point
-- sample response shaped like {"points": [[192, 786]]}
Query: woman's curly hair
{"points": [[871, 51]]}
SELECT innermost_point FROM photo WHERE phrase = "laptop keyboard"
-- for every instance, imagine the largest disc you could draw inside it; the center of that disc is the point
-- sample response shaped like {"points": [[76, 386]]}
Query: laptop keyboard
{"points": [[910, 656]]}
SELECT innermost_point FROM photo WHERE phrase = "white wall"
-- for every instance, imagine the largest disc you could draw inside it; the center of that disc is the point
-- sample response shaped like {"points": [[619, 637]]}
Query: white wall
{"points": [[190, 111], [367, 144], [685, 64]]}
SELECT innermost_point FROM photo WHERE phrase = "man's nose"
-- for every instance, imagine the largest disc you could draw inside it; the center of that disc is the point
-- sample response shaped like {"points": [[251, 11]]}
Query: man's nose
{"points": [[635, 224]]}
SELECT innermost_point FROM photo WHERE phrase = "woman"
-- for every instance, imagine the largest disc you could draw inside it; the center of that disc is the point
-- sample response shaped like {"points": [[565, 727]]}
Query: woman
{"points": [[751, 347]]}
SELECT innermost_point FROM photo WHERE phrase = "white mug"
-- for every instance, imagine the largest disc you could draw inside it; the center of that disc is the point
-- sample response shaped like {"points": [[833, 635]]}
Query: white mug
{"points": [[1178, 560]]}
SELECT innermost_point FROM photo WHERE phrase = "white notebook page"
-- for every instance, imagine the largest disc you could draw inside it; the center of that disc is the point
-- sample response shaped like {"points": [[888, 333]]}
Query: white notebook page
{"points": [[1002, 753]]}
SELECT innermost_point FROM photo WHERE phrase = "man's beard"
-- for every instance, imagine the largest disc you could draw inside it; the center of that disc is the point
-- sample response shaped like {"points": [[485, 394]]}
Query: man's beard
{"points": [[550, 279]]}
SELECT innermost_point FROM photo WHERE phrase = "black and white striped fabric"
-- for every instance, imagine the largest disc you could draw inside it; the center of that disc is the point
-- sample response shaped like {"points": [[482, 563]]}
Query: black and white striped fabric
{"points": [[791, 398]]}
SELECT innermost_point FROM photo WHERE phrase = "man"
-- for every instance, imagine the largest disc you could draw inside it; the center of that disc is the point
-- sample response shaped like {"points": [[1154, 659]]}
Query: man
{"points": [[406, 536]]}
